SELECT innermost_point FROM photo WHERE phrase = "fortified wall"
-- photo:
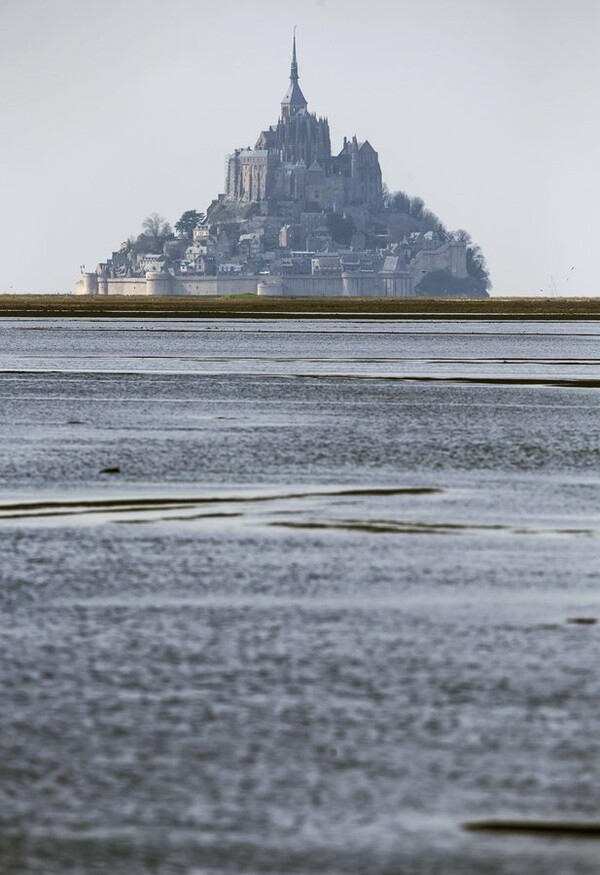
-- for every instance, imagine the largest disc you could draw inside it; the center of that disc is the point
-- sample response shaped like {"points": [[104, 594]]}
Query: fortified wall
{"points": [[450, 256], [157, 283], [394, 280]]}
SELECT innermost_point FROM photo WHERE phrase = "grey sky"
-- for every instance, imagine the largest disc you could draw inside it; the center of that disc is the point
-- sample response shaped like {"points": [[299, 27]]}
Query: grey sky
{"points": [[488, 109]]}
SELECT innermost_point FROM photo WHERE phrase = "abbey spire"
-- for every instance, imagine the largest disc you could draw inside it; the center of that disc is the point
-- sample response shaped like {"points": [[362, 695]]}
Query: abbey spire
{"points": [[294, 100], [292, 162]]}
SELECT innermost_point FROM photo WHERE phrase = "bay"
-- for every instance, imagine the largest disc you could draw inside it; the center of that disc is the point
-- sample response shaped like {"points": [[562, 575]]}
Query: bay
{"points": [[297, 596]]}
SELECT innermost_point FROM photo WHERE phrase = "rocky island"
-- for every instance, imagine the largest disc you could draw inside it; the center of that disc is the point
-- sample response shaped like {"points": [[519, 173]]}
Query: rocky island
{"points": [[296, 220]]}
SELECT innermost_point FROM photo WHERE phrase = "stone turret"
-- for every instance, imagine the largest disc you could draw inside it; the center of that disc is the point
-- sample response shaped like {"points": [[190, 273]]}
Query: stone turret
{"points": [[158, 282], [90, 283]]}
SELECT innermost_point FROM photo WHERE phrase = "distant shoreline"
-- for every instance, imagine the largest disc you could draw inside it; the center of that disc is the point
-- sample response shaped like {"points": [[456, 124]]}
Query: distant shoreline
{"points": [[69, 306]]}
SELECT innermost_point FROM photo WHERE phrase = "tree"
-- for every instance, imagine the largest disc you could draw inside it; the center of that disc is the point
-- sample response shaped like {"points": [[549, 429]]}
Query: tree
{"points": [[400, 202], [443, 284], [386, 197], [340, 227], [433, 222], [461, 236], [189, 220], [157, 226], [476, 264], [416, 207]]}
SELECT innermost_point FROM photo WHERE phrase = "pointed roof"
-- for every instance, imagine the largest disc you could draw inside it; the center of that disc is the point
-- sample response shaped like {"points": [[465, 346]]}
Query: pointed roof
{"points": [[367, 146], [293, 96]]}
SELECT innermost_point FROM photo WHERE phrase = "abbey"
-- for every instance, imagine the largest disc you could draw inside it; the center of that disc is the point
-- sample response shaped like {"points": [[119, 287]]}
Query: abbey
{"points": [[296, 219], [292, 161]]}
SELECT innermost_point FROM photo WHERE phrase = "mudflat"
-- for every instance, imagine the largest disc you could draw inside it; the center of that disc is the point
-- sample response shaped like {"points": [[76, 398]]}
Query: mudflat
{"points": [[324, 308], [303, 596], [299, 596]]}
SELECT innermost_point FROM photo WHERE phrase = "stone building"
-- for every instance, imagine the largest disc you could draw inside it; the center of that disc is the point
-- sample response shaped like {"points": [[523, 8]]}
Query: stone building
{"points": [[292, 161], [269, 233]]}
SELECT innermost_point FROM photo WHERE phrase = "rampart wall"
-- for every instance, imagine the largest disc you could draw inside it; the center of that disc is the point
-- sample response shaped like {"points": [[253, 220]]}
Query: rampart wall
{"points": [[347, 285], [158, 283], [398, 283], [449, 256]]}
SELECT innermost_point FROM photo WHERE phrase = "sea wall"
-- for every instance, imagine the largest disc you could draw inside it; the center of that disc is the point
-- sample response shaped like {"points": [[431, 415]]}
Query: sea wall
{"points": [[157, 283], [347, 285]]}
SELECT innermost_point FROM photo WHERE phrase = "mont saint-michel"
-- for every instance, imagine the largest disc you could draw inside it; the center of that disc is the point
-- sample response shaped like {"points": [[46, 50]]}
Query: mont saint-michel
{"points": [[298, 219]]}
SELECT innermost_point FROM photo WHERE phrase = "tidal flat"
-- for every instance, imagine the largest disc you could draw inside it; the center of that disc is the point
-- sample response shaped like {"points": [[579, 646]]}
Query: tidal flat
{"points": [[252, 306], [299, 595]]}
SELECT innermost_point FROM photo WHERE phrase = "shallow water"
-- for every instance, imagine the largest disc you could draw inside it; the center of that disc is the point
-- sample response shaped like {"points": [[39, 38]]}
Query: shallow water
{"points": [[319, 617]]}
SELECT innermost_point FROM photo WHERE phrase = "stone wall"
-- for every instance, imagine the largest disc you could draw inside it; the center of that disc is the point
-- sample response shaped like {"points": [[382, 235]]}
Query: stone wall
{"points": [[449, 256], [91, 284], [304, 286], [347, 285], [398, 285], [165, 284]]}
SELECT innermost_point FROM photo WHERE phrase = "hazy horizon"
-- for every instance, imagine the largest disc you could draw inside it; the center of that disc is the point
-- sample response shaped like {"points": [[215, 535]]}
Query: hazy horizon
{"points": [[115, 111]]}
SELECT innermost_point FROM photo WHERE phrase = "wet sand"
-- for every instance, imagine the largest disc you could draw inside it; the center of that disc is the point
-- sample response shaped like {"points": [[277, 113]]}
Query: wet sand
{"points": [[253, 307], [299, 596]]}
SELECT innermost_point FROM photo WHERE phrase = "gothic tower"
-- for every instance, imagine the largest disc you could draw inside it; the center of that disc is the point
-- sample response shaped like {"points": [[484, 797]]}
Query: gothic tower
{"points": [[292, 161], [300, 136], [294, 100]]}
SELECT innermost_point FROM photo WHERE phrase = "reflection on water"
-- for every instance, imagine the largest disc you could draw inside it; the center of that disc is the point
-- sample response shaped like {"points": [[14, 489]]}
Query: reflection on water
{"points": [[261, 614]]}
